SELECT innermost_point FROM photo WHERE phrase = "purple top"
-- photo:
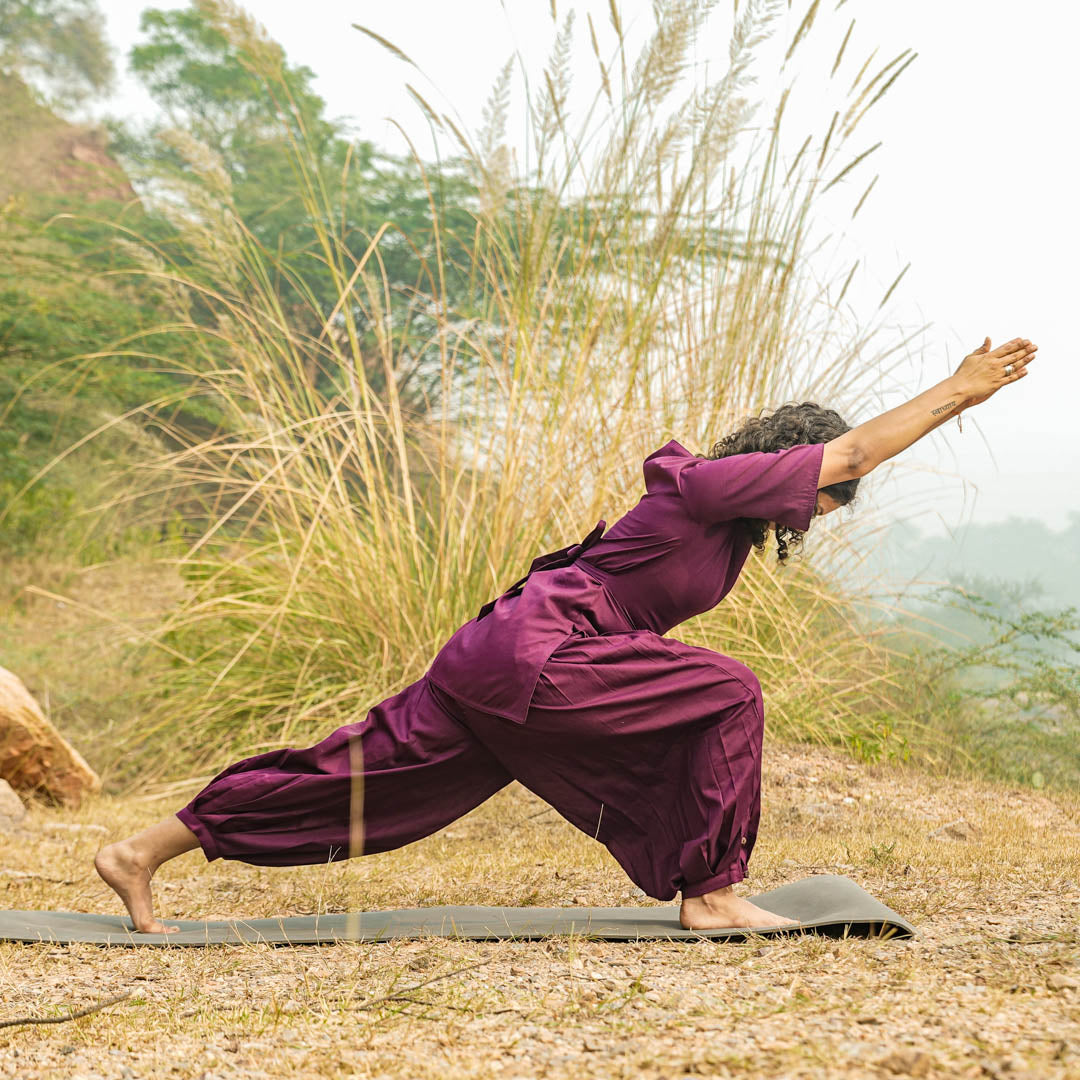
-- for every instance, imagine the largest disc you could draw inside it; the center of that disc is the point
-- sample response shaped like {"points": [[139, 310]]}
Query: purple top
{"points": [[676, 554]]}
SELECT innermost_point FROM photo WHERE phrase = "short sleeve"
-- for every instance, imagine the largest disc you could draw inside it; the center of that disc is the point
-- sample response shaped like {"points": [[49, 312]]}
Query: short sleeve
{"points": [[780, 486]]}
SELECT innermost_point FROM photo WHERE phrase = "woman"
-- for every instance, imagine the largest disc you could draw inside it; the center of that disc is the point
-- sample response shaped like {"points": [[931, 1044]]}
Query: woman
{"points": [[567, 684]]}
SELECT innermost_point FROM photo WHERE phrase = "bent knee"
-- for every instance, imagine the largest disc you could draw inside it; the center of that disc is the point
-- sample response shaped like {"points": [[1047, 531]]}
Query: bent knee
{"points": [[750, 686]]}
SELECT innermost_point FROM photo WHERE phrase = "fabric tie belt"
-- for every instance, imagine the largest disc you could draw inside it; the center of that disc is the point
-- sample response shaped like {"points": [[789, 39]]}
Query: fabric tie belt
{"points": [[552, 561]]}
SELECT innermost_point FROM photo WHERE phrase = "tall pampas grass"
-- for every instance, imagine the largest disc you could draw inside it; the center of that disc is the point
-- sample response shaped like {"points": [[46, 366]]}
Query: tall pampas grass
{"points": [[644, 276]]}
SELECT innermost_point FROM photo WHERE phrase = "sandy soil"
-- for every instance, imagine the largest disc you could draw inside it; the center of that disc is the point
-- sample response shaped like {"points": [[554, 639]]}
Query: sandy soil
{"points": [[990, 986]]}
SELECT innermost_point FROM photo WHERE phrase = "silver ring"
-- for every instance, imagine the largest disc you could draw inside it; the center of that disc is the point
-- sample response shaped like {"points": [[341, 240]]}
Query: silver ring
{"points": [[1008, 369]]}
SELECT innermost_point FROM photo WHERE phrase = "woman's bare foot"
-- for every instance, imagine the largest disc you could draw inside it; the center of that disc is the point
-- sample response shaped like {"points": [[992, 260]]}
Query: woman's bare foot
{"points": [[721, 909], [129, 865], [124, 870]]}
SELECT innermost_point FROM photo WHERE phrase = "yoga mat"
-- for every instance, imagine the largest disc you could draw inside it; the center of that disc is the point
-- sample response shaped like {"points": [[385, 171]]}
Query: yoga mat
{"points": [[826, 903]]}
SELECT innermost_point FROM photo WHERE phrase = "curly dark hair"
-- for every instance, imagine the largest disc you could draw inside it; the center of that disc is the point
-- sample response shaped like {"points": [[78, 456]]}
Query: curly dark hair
{"points": [[787, 426]]}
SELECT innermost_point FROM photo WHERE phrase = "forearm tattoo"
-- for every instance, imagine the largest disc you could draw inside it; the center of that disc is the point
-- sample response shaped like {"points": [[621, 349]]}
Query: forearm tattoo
{"points": [[944, 408]]}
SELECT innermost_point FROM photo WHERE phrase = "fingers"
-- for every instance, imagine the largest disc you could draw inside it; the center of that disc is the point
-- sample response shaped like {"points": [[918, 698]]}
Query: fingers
{"points": [[1021, 355], [1010, 347]]}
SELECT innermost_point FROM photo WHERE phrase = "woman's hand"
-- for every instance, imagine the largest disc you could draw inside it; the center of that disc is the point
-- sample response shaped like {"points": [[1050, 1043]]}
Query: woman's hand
{"points": [[982, 372]]}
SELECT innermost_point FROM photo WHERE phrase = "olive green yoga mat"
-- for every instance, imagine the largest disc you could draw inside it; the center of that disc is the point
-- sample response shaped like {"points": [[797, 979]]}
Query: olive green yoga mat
{"points": [[825, 904]]}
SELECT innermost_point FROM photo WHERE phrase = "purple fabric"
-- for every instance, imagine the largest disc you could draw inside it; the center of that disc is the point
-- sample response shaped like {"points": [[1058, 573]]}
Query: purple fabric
{"points": [[650, 745], [676, 554]]}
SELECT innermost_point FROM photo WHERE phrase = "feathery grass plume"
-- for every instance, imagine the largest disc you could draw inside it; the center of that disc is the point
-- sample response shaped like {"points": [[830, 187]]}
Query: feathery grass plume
{"points": [[645, 276]]}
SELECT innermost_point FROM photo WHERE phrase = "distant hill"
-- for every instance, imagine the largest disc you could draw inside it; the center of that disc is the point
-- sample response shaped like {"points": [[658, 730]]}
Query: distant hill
{"points": [[1039, 564], [44, 155]]}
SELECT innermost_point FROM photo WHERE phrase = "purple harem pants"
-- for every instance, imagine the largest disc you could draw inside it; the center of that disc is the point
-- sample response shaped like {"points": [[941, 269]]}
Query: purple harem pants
{"points": [[649, 745]]}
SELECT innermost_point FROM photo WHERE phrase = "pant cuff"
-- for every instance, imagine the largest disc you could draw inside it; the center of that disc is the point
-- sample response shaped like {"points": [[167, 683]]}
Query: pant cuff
{"points": [[202, 833], [717, 881]]}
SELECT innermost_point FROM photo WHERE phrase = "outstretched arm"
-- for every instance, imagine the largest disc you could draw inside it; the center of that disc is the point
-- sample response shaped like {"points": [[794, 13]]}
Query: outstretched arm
{"points": [[980, 376]]}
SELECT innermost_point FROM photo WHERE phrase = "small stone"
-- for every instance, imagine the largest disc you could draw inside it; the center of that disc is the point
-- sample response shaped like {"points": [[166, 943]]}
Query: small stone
{"points": [[955, 830], [12, 810], [848, 800], [907, 1062], [581, 900], [1059, 981]]}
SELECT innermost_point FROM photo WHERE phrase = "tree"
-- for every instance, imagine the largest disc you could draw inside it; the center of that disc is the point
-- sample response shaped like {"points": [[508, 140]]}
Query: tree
{"points": [[217, 77], [57, 45]]}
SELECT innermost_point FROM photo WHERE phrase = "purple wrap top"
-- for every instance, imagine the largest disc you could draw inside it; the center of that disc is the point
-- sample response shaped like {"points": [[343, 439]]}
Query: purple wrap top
{"points": [[676, 554]]}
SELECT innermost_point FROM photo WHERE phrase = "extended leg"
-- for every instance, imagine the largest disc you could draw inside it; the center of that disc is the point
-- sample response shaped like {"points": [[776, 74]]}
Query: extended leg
{"points": [[406, 771], [403, 773]]}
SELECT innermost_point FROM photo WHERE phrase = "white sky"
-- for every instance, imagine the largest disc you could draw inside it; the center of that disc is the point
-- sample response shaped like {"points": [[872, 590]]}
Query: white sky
{"points": [[977, 191]]}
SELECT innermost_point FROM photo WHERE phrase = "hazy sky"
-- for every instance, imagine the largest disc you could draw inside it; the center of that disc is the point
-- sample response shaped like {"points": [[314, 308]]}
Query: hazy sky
{"points": [[977, 191]]}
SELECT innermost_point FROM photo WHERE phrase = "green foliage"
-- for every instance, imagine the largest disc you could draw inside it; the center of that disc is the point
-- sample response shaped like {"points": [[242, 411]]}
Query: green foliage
{"points": [[58, 44], [1001, 686], [245, 112], [80, 349], [876, 739]]}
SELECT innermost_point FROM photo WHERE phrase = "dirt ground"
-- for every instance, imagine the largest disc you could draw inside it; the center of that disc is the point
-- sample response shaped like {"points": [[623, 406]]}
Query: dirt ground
{"points": [[990, 987]]}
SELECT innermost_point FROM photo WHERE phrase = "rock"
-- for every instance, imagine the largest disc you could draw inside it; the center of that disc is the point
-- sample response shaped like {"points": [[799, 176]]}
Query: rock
{"points": [[12, 810], [1059, 981], [955, 830], [907, 1062], [34, 756]]}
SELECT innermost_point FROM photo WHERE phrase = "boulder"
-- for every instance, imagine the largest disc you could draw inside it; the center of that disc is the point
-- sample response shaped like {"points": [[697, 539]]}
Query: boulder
{"points": [[34, 756], [12, 810]]}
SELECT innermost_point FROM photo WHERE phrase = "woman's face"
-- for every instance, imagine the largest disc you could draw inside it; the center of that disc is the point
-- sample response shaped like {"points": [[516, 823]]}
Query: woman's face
{"points": [[826, 504]]}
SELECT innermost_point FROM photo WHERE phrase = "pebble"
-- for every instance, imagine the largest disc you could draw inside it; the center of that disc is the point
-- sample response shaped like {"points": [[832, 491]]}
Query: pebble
{"points": [[907, 1062]]}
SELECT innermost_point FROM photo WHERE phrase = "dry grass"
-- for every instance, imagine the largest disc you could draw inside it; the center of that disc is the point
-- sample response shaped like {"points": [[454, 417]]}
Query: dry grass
{"points": [[69, 633], [393, 455], [984, 990]]}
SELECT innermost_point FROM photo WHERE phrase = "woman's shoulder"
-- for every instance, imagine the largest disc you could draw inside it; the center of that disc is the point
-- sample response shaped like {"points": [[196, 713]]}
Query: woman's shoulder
{"points": [[672, 448], [661, 466]]}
